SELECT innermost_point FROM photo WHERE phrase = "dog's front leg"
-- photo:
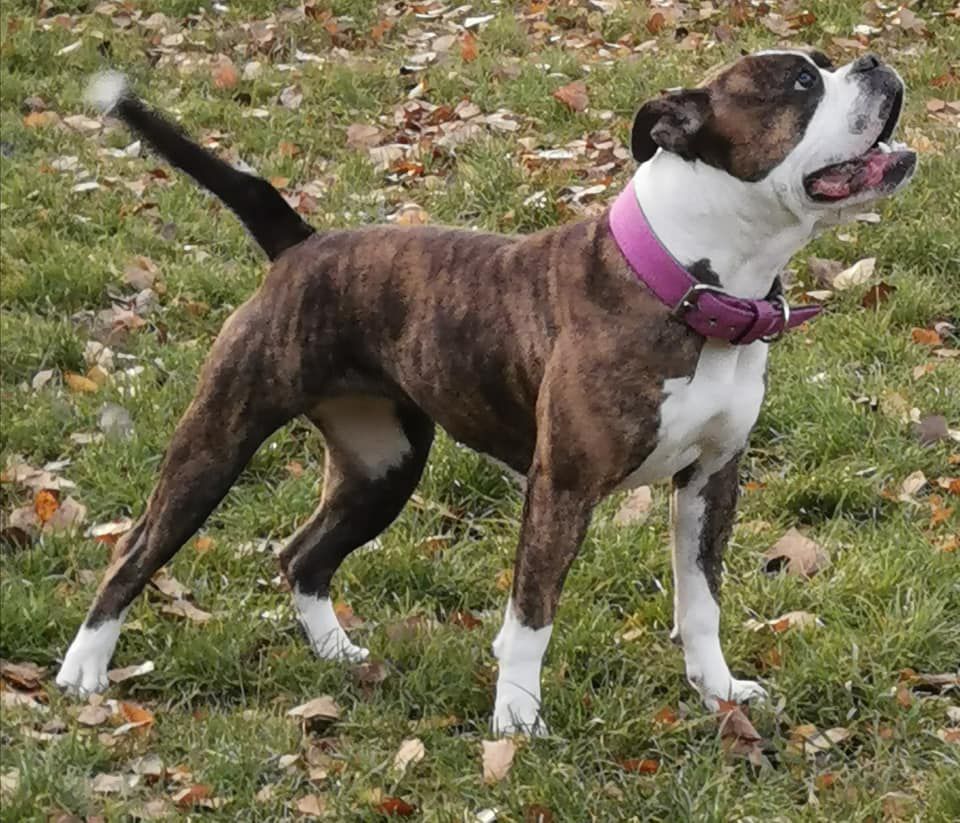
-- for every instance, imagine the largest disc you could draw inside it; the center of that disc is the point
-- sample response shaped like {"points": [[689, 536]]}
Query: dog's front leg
{"points": [[704, 505], [554, 522]]}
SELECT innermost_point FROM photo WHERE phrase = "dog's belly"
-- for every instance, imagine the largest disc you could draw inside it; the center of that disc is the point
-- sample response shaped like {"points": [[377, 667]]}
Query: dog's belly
{"points": [[709, 415]]}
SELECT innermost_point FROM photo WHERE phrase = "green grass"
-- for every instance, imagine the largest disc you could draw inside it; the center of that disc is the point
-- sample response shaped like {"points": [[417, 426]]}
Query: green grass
{"points": [[819, 459]]}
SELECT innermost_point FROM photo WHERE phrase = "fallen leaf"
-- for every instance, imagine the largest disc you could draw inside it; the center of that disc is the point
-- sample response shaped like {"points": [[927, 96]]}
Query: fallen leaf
{"points": [[40, 119], [362, 136], [737, 733], [644, 766], [497, 759], [504, 581], [184, 608], [945, 353], [635, 508], [898, 805], [799, 619], [156, 809], [858, 274], [135, 714], [169, 586], [925, 337], [79, 384], [204, 544], [807, 740], [411, 751], [911, 485], [109, 784], [468, 47], [94, 714], [656, 22], [370, 672], [317, 713], [931, 429], [800, 555], [395, 807], [949, 735], [150, 766], [192, 796], [935, 104], [25, 676], [573, 95], [291, 97], [224, 73], [410, 214], [141, 272], [904, 698], [877, 294], [69, 515], [666, 717], [534, 813], [128, 672], [311, 805], [464, 619], [9, 782]]}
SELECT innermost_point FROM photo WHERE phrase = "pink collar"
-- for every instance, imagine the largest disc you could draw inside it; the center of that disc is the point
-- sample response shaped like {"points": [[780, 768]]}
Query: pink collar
{"points": [[706, 309]]}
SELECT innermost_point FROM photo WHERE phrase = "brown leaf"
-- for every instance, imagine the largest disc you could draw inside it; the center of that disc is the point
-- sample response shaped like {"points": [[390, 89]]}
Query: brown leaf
{"points": [[573, 95], [110, 784], [904, 698], [925, 337], [666, 717], [370, 673], [536, 813], [141, 272], [656, 22], [79, 384], [411, 214], [184, 608], [291, 97], [192, 796], [311, 805], [362, 136], [635, 507], [800, 555], [644, 766], [949, 735], [136, 714], [497, 759], [348, 620], [204, 544], [877, 294], [316, 714], [931, 429], [464, 619], [807, 740], [169, 586], [858, 274], [824, 271], [224, 73], [94, 714], [41, 119], [800, 619], [468, 47], [934, 105], [25, 676], [898, 805], [395, 807], [128, 672]]}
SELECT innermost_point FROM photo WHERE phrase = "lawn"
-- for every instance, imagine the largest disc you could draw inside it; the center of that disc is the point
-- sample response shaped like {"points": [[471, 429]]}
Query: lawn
{"points": [[364, 112]]}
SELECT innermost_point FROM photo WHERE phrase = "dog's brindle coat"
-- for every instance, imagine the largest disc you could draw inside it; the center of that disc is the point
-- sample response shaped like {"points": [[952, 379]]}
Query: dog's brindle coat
{"points": [[542, 351]]}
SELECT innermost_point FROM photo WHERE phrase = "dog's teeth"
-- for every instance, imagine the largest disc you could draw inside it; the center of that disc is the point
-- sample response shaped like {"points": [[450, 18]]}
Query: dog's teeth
{"points": [[884, 147]]}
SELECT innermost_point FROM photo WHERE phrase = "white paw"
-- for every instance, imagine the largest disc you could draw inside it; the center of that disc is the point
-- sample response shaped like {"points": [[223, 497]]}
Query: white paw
{"points": [[518, 716], [735, 691], [84, 669], [335, 645]]}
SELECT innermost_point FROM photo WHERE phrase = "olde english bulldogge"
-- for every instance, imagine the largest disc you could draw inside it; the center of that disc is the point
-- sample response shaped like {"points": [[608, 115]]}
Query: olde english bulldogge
{"points": [[595, 356]]}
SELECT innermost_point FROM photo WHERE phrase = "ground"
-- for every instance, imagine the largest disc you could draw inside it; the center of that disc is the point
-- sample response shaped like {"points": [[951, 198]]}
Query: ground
{"points": [[836, 441]]}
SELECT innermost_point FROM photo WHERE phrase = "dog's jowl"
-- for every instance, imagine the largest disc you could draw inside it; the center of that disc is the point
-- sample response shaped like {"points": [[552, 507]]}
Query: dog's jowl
{"points": [[619, 350]]}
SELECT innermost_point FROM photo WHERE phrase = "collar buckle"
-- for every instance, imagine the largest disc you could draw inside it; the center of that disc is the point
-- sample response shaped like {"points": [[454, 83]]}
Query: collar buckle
{"points": [[691, 297], [785, 311]]}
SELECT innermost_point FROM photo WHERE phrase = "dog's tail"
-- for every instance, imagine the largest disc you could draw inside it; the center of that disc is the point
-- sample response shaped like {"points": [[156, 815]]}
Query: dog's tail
{"points": [[268, 217]]}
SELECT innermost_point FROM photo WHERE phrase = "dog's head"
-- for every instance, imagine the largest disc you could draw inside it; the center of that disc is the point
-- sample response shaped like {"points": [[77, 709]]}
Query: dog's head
{"points": [[817, 137]]}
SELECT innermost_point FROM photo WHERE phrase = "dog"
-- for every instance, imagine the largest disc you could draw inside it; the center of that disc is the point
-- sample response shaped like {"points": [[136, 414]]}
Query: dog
{"points": [[603, 354]]}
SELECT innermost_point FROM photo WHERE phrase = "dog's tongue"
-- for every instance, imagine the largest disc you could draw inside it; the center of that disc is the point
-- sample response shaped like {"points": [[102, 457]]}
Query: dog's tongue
{"points": [[866, 172]]}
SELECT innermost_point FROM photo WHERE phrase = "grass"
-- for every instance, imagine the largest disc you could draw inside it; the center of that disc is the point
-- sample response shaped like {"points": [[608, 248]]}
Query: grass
{"points": [[821, 455]]}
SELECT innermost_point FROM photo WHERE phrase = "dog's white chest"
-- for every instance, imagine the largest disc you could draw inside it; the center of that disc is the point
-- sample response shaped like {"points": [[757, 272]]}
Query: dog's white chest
{"points": [[711, 414]]}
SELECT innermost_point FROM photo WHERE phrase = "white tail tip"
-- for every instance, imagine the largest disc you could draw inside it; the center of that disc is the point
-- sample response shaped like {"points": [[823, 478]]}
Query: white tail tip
{"points": [[106, 89]]}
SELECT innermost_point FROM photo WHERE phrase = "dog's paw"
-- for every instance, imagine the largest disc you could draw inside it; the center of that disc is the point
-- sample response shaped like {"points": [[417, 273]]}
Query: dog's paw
{"points": [[336, 645], [736, 691], [518, 717], [84, 669]]}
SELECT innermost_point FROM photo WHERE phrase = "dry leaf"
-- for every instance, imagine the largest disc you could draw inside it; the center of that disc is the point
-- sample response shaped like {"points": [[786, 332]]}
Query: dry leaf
{"points": [[635, 507], [224, 73], [898, 805], [45, 504], [573, 95], [25, 676], [858, 274], [370, 672], [69, 515], [192, 796], [911, 485], [311, 805], [410, 751], [362, 136], [464, 619], [800, 555], [497, 759], [877, 294], [468, 47], [806, 740], [644, 766], [110, 784], [737, 733], [169, 586], [395, 807], [656, 22], [128, 672], [800, 619], [291, 97], [94, 714], [316, 714], [949, 735], [79, 384], [184, 608], [410, 214], [141, 273], [204, 544], [925, 337], [135, 714]]}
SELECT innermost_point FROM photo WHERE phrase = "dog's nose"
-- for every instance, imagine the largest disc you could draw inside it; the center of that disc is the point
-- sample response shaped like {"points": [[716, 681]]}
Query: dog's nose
{"points": [[868, 62]]}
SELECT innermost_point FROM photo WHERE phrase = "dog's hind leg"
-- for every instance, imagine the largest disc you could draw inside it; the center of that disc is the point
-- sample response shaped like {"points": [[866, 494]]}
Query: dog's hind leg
{"points": [[239, 403], [375, 454]]}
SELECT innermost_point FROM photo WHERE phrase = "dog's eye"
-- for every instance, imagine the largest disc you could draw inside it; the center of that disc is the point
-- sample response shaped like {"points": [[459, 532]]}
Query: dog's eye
{"points": [[805, 81]]}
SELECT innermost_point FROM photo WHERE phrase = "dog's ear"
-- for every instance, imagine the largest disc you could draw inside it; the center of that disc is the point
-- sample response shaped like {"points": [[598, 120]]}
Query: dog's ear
{"points": [[671, 122]]}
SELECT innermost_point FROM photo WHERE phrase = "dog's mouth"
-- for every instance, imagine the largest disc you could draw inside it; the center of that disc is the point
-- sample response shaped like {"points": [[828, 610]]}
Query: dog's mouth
{"points": [[880, 169]]}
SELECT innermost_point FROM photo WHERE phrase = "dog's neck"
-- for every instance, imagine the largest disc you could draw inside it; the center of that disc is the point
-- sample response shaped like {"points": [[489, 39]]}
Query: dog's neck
{"points": [[703, 214]]}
